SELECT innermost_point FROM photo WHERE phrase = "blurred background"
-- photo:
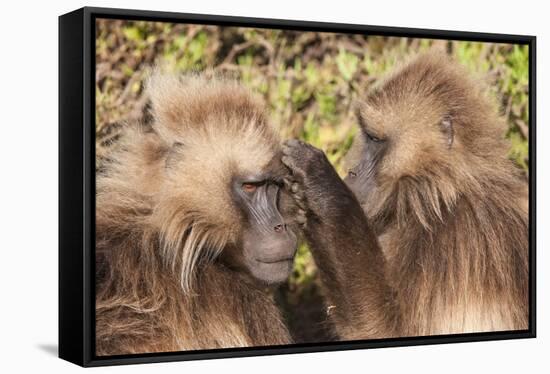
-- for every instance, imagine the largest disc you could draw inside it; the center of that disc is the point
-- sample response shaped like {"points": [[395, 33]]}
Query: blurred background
{"points": [[309, 81]]}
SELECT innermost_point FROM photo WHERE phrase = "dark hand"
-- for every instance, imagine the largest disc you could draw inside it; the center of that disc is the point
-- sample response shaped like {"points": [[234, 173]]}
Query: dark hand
{"points": [[313, 180]]}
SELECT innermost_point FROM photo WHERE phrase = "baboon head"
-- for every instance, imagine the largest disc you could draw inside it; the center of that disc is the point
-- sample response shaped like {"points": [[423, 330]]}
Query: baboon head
{"points": [[427, 132], [221, 192]]}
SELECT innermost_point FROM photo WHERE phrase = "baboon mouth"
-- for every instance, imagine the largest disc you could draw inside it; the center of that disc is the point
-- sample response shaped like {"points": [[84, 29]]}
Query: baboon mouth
{"points": [[276, 261]]}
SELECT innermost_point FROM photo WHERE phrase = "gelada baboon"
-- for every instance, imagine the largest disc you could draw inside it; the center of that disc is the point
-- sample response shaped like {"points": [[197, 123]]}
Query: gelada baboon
{"points": [[192, 224], [428, 234]]}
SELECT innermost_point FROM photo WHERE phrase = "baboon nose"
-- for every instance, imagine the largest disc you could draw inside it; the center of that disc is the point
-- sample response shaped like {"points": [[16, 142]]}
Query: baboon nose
{"points": [[279, 228]]}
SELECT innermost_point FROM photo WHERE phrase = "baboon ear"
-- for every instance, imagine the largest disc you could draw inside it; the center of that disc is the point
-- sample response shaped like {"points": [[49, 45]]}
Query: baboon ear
{"points": [[447, 129], [169, 102]]}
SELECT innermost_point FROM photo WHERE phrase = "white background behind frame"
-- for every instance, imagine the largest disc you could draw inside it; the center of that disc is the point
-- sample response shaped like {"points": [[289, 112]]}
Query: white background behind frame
{"points": [[29, 183]]}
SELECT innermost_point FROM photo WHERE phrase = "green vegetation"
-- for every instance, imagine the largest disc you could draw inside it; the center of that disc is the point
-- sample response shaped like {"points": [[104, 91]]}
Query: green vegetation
{"points": [[309, 80]]}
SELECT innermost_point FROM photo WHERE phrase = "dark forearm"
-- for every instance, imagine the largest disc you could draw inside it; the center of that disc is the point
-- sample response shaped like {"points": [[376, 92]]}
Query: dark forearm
{"points": [[350, 261], [351, 266]]}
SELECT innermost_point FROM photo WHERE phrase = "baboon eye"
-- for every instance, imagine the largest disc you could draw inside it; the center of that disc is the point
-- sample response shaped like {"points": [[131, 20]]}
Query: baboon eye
{"points": [[372, 137], [249, 187]]}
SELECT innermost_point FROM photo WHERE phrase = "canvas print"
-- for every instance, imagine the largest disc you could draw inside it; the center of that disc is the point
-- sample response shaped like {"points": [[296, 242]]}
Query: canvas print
{"points": [[264, 187]]}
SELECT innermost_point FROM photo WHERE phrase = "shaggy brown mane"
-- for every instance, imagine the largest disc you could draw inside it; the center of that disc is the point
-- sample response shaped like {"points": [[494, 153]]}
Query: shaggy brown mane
{"points": [[160, 227], [453, 223]]}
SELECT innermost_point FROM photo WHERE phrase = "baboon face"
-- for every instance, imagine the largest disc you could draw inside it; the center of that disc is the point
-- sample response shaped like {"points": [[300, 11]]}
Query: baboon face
{"points": [[396, 141], [237, 190], [425, 135], [426, 124], [220, 193], [360, 178], [268, 242]]}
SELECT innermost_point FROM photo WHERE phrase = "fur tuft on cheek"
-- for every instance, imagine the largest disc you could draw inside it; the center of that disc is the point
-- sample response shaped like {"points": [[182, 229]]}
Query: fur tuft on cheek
{"points": [[186, 241]]}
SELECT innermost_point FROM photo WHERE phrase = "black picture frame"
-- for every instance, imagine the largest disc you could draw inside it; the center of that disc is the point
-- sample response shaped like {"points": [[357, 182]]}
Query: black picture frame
{"points": [[77, 184]]}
